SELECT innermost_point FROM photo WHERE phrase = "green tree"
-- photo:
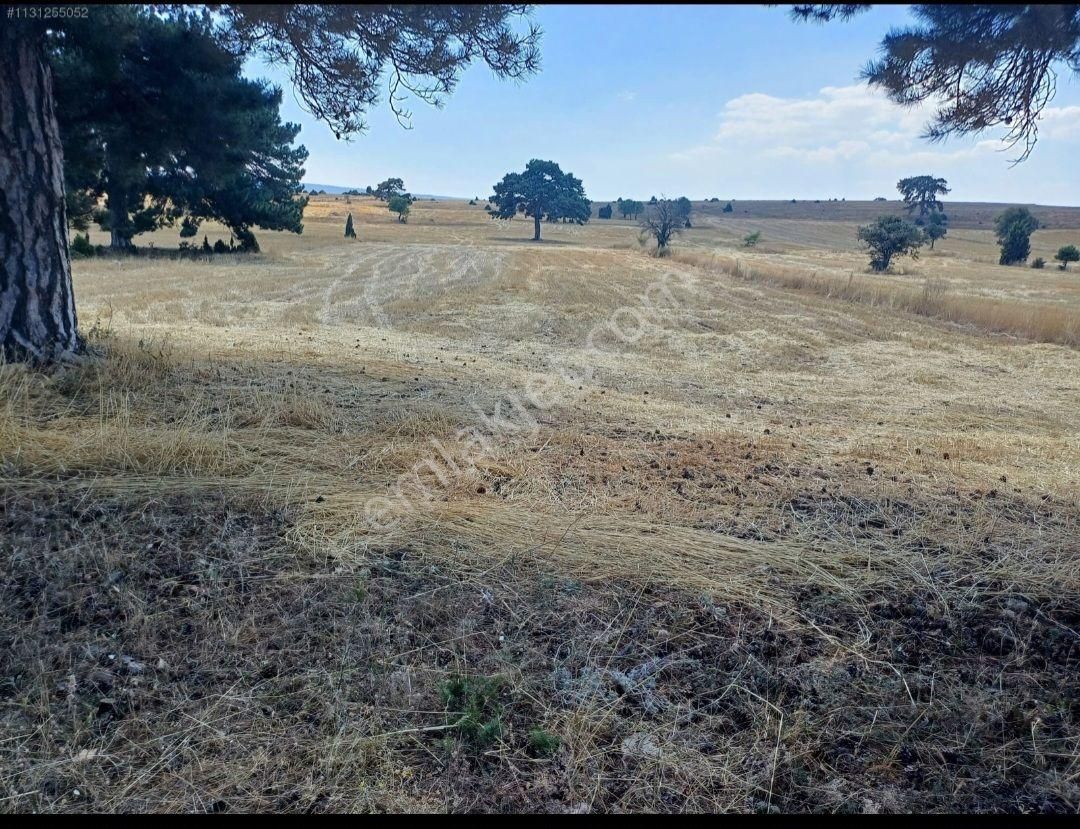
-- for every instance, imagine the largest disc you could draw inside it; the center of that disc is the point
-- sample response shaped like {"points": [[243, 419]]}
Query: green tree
{"points": [[937, 225], [350, 231], [751, 239], [630, 209], [1013, 229], [542, 191], [386, 190], [604, 212], [1067, 254], [337, 57], [980, 65], [888, 237], [400, 204], [921, 192], [132, 135]]}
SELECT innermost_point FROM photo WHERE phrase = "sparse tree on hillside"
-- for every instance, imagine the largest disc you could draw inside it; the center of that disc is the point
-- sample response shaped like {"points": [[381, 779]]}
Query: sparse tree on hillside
{"points": [[981, 65], [728, 208], [337, 57], [542, 191], [386, 190], [1067, 254], [350, 231], [751, 239], [888, 237], [937, 225], [663, 221], [1013, 229], [920, 193], [400, 204], [630, 209]]}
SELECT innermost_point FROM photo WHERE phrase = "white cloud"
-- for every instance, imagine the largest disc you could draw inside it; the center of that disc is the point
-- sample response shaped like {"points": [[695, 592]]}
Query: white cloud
{"points": [[626, 96], [852, 141], [838, 125], [1060, 122]]}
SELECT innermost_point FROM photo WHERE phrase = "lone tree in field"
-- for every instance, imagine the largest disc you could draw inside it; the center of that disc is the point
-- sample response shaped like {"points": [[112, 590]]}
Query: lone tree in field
{"points": [[981, 65], [663, 221], [1067, 254], [888, 237], [350, 231], [1013, 230], [936, 226], [920, 193], [400, 204], [337, 57], [604, 212], [543, 191], [386, 190]]}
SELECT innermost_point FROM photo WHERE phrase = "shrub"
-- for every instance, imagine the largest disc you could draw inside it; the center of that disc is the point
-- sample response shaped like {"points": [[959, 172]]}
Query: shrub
{"points": [[542, 742], [81, 247], [188, 228], [1067, 254], [220, 247], [604, 212], [888, 237], [751, 239], [248, 243], [728, 208], [473, 708], [1039, 263], [1013, 229]]}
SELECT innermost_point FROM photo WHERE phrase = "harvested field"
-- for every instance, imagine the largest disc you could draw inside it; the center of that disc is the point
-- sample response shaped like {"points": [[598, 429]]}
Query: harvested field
{"points": [[443, 519]]}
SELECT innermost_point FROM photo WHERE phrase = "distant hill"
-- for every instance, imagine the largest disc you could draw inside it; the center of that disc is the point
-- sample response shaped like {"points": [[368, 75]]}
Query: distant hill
{"points": [[971, 215], [337, 189]]}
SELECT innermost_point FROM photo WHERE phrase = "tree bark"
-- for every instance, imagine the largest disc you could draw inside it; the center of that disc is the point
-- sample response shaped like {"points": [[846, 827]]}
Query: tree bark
{"points": [[536, 227], [37, 304], [116, 204]]}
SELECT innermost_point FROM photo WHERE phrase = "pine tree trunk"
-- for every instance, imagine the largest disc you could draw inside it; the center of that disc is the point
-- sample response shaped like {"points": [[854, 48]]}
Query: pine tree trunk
{"points": [[116, 204], [37, 305], [536, 227]]}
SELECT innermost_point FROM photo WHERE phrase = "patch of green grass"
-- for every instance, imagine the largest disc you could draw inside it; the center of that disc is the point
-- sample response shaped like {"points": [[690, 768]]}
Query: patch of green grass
{"points": [[542, 742], [473, 708]]}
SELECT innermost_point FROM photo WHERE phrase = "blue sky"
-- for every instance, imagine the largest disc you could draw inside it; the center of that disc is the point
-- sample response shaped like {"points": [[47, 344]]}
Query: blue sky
{"points": [[726, 101]]}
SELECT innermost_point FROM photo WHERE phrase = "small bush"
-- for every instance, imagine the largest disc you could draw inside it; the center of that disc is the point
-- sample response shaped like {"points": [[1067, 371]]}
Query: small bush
{"points": [[751, 239], [220, 247], [248, 242], [473, 709], [1039, 263], [81, 247], [542, 742]]}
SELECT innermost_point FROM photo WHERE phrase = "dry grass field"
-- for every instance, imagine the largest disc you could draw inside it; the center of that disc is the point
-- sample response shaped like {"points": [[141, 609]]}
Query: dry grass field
{"points": [[444, 519]]}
